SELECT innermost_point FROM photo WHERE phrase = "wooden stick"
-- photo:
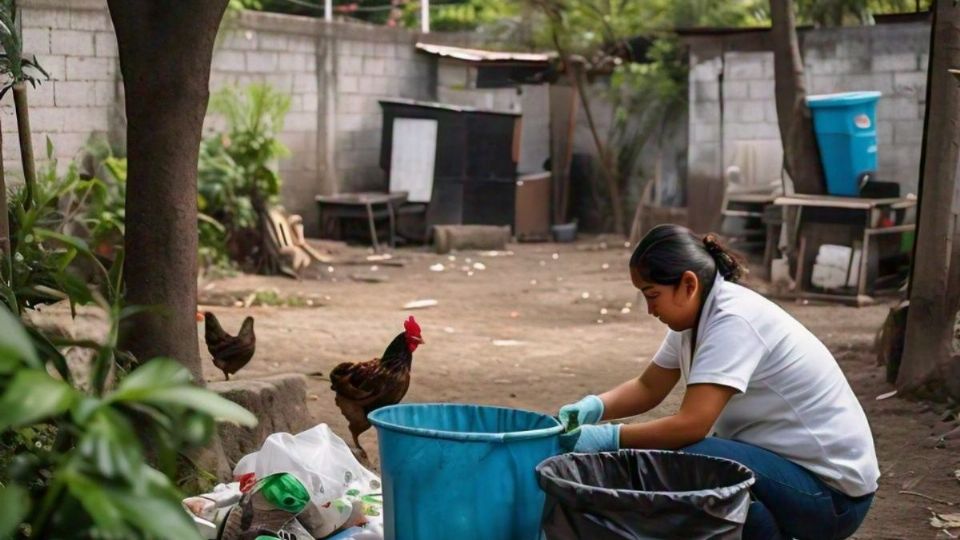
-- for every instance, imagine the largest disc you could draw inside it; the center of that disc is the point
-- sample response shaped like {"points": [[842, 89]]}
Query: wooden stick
{"points": [[928, 497]]}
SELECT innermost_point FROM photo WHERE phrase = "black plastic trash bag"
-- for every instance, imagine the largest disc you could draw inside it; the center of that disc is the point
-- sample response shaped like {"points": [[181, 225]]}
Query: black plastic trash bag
{"points": [[637, 494]]}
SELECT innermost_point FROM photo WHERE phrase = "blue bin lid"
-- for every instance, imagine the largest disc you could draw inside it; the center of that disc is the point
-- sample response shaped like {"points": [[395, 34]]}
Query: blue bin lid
{"points": [[386, 418], [842, 99]]}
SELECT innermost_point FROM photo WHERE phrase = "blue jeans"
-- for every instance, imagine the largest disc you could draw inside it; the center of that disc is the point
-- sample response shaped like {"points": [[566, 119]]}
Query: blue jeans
{"points": [[788, 500]]}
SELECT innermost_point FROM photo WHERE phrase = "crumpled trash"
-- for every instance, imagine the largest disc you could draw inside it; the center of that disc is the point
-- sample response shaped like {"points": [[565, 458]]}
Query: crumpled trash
{"points": [[342, 492], [271, 508], [300, 487]]}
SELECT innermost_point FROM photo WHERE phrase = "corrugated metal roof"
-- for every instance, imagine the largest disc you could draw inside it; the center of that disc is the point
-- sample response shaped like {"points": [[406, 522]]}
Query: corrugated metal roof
{"points": [[480, 55]]}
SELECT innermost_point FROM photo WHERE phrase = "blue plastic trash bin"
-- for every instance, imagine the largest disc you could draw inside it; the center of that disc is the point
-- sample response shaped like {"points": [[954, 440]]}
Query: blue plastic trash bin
{"points": [[846, 129], [462, 471]]}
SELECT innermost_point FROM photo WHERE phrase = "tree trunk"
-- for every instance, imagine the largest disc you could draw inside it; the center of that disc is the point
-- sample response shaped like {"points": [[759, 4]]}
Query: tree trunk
{"points": [[165, 56], [800, 153], [928, 368], [26, 142], [577, 68]]}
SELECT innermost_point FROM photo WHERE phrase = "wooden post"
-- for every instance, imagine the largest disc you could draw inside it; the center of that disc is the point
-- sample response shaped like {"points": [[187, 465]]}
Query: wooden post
{"points": [[927, 365]]}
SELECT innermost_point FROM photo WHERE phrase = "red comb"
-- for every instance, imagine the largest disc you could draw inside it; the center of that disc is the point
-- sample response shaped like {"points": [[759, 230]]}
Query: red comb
{"points": [[411, 327]]}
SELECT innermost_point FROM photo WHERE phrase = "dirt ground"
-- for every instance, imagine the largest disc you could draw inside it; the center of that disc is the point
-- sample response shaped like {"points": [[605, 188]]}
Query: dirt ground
{"points": [[539, 326]]}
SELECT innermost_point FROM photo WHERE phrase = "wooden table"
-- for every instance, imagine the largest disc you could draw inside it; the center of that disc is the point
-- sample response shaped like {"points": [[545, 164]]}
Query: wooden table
{"points": [[369, 205], [871, 210]]}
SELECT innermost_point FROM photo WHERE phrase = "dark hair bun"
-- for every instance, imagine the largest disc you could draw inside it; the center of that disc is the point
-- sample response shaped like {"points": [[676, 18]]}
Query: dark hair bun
{"points": [[727, 264]]}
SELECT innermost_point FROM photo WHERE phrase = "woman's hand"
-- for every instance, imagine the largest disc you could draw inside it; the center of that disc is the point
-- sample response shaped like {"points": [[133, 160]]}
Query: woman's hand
{"points": [[588, 410], [590, 439]]}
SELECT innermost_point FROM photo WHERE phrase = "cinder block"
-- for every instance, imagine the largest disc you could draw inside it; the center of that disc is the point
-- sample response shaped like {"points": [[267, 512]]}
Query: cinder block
{"points": [[770, 111], [261, 62], [853, 48], [46, 119], [884, 133], [244, 40], [705, 133], [55, 65], [45, 18], [907, 131], [300, 122], [84, 119], [92, 69], [105, 44], [373, 66], [269, 41], [706, 90], [347, 84], [302, 44], [291, 62], [75, 93], [743, 112], [91, 20], [895, 62], [387, 50], [311, 102], [910, 83], [36, 40], [822, 66], [741, 66], [304, 83], [761, 89], [350, 65], [42, 95], [705, 71], [72, 43], [228, 60], [349, 122], [351, 104], [897, 108], [823, 84], [105, 93]]}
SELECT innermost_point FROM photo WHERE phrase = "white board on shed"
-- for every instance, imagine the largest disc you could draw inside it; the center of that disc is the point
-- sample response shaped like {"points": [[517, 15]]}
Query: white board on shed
{"points": [[412, 157]]}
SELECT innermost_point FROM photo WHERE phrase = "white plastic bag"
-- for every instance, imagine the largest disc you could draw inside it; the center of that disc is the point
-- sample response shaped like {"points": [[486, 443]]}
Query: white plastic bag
{"points": [[342, 492]]}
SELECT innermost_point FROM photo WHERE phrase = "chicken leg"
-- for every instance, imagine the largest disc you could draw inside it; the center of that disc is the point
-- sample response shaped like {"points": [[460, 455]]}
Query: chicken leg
{"points": [[356, 444]]}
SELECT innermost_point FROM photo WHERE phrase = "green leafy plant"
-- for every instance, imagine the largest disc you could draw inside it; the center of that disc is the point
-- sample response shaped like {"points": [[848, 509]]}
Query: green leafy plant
{"points": [[238, 177], [90, 477], [87, 450], [41, 269]]}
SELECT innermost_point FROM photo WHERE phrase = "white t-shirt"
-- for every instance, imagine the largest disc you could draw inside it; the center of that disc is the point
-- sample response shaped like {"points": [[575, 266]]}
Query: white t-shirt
{"points": [[794, 400]]}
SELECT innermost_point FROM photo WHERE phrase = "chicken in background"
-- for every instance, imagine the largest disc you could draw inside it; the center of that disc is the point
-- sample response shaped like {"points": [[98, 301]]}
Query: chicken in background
{"points": [[230, 353], [363, 387]]}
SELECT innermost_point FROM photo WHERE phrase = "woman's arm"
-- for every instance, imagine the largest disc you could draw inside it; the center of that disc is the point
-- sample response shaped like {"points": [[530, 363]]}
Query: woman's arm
{"points": [[639, 395], [702, 405]]}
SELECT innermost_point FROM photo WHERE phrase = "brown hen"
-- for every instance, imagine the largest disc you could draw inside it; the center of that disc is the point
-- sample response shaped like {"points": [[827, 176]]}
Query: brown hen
{"points": [[230, 353], [363, 387]]}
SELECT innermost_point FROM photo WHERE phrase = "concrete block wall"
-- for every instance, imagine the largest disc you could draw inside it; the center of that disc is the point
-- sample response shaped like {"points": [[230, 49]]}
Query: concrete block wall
{"points": [[891, 58], [372, 63], [335, 74], [76, 45]]}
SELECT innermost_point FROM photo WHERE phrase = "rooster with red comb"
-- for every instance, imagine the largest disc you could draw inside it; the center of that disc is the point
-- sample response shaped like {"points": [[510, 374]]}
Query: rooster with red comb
{"points": [[364, 387]]}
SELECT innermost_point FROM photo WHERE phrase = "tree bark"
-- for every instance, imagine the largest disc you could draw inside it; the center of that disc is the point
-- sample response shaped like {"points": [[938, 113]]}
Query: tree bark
{"points": [[577, 67], [165, 57], [928, 367], [800, 153]]}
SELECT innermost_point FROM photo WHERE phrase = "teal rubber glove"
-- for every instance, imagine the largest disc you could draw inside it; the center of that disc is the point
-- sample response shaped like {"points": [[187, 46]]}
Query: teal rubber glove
{"points": [[588, 410], [591, 439]]}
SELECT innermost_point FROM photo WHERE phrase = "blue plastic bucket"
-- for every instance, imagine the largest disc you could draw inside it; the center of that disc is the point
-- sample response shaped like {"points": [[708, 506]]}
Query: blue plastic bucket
{"points": [[846, 129], [462, 471]]}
